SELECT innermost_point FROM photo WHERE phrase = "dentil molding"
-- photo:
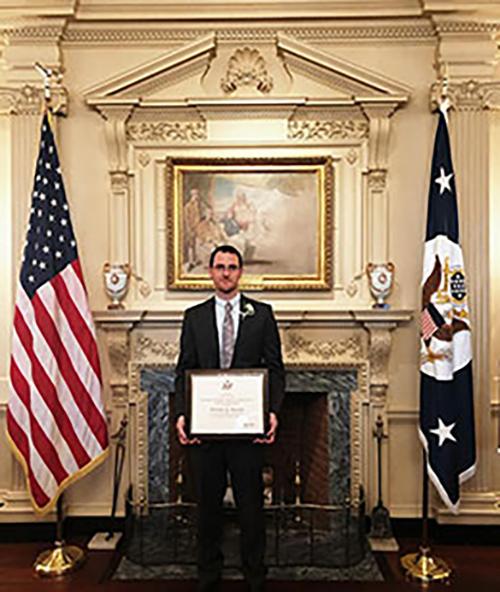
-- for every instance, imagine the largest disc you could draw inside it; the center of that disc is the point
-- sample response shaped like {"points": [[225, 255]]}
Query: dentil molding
{"points": [[416, 31]]}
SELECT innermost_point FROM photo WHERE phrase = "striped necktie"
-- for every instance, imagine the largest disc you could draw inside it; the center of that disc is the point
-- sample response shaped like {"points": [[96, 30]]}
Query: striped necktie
{"points": [[227, 337]]}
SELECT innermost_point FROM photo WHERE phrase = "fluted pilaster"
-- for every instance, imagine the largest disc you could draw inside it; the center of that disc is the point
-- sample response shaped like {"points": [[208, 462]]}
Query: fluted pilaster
{"points": [[469, 122]]}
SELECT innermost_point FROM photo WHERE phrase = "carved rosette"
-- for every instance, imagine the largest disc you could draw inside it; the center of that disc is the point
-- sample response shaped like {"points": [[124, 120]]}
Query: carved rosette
{"points": [[351, 129], [246, 67]]}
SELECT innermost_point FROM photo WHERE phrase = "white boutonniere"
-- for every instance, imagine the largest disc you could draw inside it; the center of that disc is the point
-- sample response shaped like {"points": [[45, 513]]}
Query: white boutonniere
{"points": [[248, 311]]}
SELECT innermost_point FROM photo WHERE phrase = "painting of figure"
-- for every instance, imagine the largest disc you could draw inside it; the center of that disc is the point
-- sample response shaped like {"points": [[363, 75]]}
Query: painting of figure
{"points": [[276, 213]]}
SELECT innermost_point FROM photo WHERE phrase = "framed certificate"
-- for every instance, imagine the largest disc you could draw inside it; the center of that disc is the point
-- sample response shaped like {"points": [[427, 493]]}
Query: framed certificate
{"points": [[227, 403]]}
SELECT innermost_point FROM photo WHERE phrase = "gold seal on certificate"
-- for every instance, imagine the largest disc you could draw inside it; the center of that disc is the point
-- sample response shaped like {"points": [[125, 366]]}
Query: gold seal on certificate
{"points": [[227, 403]]}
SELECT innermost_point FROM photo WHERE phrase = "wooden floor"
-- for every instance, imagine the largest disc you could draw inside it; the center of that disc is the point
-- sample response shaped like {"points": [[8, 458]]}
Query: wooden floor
{"points": [[476, 569]]}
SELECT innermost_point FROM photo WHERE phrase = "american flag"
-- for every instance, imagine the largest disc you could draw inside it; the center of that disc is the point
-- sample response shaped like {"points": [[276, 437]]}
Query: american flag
{"points": [[446, 405], [55, 416], [431, 320]]}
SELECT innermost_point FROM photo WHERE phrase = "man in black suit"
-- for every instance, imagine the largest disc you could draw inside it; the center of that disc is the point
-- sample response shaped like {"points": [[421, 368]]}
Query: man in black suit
{"points": [[229, 331]]}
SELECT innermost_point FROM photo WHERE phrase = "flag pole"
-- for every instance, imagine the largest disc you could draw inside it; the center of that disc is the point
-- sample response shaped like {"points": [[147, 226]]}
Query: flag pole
{"points": [[62, 558], [422, 565]]}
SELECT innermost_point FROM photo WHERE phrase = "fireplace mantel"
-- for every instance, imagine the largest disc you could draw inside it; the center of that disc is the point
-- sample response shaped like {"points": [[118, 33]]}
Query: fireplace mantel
{"points": [[285, 313], [315, 338], [311, 337]]}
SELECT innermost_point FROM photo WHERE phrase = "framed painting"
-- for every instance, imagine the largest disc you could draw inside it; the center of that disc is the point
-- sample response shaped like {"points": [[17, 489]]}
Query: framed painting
{"points": [[276, 211]]}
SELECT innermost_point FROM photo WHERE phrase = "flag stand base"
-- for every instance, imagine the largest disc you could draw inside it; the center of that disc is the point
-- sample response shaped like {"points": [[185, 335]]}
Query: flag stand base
{"points": [[425, 568], [61, 560]]}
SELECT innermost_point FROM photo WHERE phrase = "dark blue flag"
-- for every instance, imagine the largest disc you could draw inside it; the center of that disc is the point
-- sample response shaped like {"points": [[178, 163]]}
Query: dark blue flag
{"points": [[446, 401]]}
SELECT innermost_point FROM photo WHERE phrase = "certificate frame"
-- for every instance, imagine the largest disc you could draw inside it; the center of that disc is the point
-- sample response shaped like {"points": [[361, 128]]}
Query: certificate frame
{"points": [[220, 408]]}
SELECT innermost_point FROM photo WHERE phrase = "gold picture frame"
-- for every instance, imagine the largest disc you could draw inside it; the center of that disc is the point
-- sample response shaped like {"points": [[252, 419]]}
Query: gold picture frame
{"points": [[277, 211]]}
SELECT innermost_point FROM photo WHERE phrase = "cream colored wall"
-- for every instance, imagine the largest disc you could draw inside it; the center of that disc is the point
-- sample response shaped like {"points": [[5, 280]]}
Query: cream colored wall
{"points": [[495, 292], [85, 165]]}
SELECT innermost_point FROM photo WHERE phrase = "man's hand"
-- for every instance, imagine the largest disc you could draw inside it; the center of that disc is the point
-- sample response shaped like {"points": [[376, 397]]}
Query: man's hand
{"points": [[271, 433], [180, 426]]}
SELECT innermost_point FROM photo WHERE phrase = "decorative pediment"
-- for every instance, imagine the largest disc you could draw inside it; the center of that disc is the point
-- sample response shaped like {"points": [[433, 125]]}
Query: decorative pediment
{"points": [[338, 78], [141, 85], [207, 72]]}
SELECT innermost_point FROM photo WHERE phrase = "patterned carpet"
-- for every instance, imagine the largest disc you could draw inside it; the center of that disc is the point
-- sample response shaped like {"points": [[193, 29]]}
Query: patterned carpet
{"points": [[366, 570], [163, 546]]}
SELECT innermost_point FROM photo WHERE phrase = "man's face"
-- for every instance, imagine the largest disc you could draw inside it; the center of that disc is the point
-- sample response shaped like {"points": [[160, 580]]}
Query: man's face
{"points": [[225, 274]]}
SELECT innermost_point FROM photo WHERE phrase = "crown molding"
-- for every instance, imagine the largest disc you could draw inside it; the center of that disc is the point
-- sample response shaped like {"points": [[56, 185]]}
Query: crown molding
{"points": [[36, 8], [484, 8], [33, 30], [461, 26], [416, 30], [241, 9]]}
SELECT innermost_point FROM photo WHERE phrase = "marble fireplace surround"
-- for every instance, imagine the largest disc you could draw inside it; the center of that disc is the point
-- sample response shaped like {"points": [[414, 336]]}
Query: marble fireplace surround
{"points": [[359, 341]]}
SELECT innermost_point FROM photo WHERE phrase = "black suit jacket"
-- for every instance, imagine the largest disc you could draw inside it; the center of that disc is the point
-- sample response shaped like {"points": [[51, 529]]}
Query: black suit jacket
{"points": [[257, 346]]}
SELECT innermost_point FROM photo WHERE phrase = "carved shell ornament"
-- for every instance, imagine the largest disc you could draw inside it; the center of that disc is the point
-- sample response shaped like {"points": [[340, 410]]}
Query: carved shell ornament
{"points": [[246, 67]]}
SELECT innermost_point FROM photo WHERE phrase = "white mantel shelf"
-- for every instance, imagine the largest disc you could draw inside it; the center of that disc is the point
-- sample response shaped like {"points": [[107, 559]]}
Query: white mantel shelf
{"points": [[284, 315]]}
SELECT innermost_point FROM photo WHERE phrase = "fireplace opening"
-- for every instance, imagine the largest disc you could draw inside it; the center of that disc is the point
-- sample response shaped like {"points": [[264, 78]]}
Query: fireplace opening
{"points": [[299, 458], [295, 467]]}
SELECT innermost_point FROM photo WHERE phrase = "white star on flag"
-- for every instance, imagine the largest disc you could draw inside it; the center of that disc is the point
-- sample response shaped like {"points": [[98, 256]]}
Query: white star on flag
{"points": [[443, 181], [444, 432]]}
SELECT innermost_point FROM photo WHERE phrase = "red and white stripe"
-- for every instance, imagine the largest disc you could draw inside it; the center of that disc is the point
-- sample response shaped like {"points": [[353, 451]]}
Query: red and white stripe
{"points": [[428, 326], [55, 416]]}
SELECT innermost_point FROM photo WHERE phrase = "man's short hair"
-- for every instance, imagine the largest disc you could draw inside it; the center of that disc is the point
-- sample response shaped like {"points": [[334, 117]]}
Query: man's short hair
{"points": [[225, 249]]}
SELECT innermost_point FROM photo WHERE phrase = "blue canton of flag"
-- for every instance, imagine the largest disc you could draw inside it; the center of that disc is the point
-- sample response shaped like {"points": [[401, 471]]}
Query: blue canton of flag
{"points": [[446, 402], [50, 243]]}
